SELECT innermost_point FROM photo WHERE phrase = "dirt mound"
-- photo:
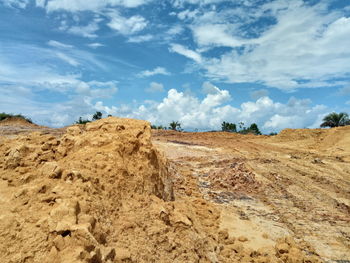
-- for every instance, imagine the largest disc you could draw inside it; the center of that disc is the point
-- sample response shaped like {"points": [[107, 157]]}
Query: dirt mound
{"points": [[17, 121], [102, 193], [299, 134]]}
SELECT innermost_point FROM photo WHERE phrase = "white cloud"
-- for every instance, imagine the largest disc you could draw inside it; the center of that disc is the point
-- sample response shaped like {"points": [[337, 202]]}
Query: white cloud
{"points": [[187, 14], [67, 59], [155, 71], [40, 3], [95, 45], [180, 3], [155, 87], [306, 47], [177, 48], [90, 5], [141, 38], [15, 3], [34, 69], [175, 30], [88, 31], [126, 26], [208, 113], [216, 35], [58, 44]]}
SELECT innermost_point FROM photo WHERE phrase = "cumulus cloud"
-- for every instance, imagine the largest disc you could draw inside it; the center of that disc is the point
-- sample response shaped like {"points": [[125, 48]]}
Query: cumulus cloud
{"points": [[155, 71], [155, 87], [208, 113], [126, 26]]}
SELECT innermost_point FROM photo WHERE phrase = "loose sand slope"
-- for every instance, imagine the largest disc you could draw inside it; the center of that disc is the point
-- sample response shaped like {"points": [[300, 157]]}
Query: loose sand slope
{"points": [[103, 193]]}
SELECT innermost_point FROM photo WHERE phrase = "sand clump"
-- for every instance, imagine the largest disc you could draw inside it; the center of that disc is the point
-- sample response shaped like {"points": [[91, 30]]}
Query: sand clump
{"points": [[102, 193]]}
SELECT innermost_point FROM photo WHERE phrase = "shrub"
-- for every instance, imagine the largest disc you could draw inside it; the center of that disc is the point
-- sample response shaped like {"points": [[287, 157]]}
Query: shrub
{"points": [[4, 116], [81, 121]]}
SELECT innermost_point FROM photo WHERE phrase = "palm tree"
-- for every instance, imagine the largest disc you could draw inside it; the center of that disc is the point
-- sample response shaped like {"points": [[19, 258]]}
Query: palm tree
{"points": [[175, 126], [336, 119]]}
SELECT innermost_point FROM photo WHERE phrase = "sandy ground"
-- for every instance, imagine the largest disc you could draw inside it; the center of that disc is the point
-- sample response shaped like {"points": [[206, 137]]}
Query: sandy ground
{"points": [[296, 183], [103, 193]]}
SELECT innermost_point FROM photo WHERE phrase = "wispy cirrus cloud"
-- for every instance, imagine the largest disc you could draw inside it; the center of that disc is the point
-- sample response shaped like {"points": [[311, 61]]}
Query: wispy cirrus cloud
{"points": [[57, 44]]}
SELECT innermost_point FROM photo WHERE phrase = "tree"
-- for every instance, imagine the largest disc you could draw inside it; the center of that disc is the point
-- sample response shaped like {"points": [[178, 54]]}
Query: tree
{"points": [[254, 129], [175, 126], [228, 127], [97, 116], [335, 120]]}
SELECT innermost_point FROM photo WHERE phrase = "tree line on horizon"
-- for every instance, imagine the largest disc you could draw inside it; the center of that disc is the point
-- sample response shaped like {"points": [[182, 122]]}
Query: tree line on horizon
{"points": [[330, 120]]}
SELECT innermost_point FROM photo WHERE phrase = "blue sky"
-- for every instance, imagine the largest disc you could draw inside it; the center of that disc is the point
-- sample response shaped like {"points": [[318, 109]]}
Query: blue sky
{"points": [[278, 63]]}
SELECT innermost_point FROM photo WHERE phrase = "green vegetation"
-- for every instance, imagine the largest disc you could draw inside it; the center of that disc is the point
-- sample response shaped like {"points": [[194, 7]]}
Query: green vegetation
{"points": [[159, 127], [231, 127], [175, 126], [335, 120], [97, 116], [4, 116], [228, 127], [81, 121]]}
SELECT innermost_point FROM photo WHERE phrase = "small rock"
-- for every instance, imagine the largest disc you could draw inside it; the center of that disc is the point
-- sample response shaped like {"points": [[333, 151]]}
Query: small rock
{"points": [[282, 248], [242, 239], [317, 161], [51, 170]]}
